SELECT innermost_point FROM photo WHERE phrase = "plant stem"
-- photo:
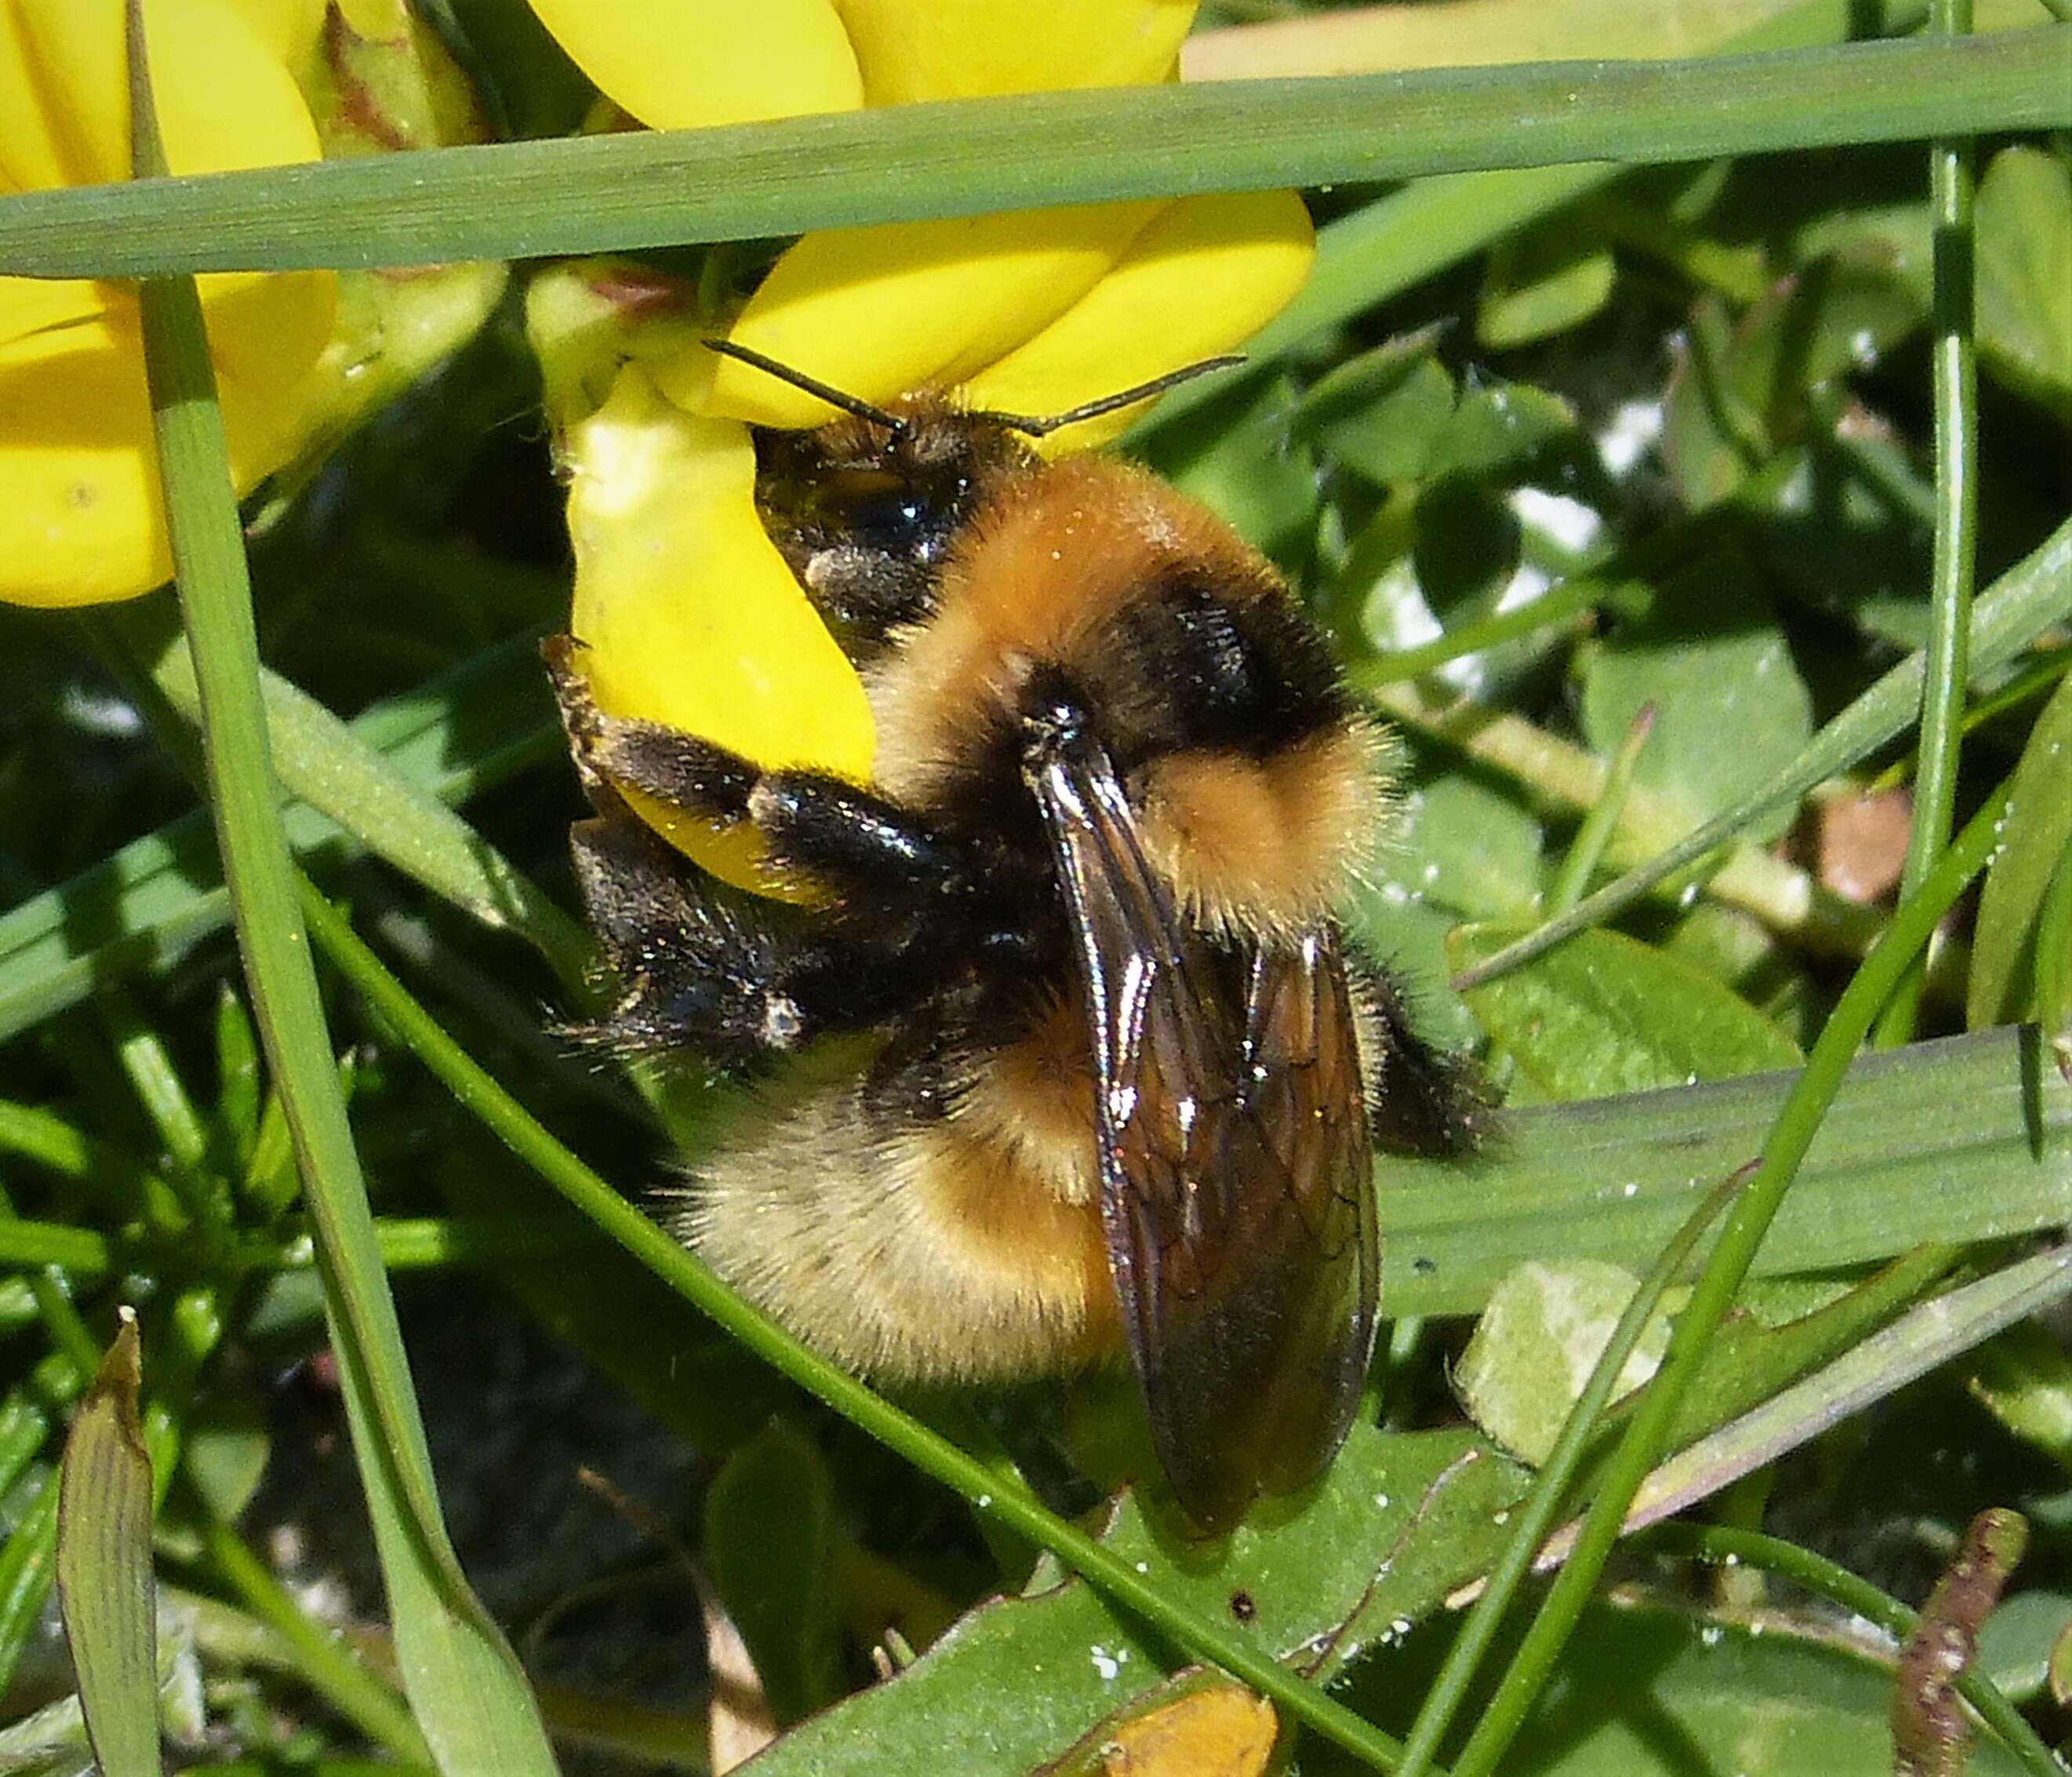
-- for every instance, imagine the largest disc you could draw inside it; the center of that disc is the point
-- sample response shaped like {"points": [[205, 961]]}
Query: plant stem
{"points": [[1803, 1567], [1532, 1520], [1954, 378], [1748, 1222]]}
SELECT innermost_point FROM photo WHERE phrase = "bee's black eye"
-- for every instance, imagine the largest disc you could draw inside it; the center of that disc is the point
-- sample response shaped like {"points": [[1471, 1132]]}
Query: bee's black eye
{"points": [[906, 518], [889, 520]]}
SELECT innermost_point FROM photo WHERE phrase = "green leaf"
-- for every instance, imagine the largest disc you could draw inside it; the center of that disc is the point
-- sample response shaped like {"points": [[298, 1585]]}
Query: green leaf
{"points": [[1540, 283], [1498, 430], [1730, 708], [2016, 1640], [2023, 1379], [1237, 460], [2039, 829], [1466, 847], [769, 1547], [2024, 220], [1534, 1346], [1467, 541], [224, 1451], [1741, 391], [1015, 1682], [104, 1565], [1652, 1690], [1380, 413], [1606, 1013]]}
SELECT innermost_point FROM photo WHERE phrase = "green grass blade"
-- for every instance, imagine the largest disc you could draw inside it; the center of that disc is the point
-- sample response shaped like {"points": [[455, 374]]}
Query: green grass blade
{"points": [[325, 763], [104, 1565], [653, 188], [465, 731], [1749, 1222], [1535, 1518], [471, 1697], [1955, 378], [1926, 1336]]}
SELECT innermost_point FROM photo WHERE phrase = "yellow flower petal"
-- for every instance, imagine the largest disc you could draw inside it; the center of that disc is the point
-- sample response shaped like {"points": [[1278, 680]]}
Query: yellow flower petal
{"points": [[80, 517], [684, 63], [265, 332], [881, 312], [969, 48], [289, 28], [224, 99], [79, 499], [1204, 276], [40, 306], [692, 617]]}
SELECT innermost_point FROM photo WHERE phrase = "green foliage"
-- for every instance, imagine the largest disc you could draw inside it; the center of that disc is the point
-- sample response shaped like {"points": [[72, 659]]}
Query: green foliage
{"points": [[1555, 435], [104, 1566], [2004, 984]]}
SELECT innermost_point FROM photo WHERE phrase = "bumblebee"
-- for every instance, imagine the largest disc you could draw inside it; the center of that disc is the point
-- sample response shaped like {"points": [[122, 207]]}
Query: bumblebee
{"points": [[1071, 1057]]}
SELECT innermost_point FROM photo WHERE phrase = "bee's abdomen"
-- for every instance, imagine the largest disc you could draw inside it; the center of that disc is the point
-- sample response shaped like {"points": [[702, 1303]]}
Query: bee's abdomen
{"points": [[955, 1238]]}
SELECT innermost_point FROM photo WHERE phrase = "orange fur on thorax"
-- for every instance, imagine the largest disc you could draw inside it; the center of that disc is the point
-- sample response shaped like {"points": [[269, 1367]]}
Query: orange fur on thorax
{"points": [[1258, 843]]}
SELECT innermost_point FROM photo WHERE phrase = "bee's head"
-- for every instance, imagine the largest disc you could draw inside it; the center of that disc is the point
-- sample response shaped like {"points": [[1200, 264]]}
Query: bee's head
{"points": [[888, 492], [865, 509]]}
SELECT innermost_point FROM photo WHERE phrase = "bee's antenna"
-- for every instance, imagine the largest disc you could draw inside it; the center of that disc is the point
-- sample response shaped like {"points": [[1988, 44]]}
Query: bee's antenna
{"points": [[812, 385], [1037, 427]]}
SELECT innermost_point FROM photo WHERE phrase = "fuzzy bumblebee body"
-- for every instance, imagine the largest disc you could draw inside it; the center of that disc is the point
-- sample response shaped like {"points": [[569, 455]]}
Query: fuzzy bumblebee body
{"points": [[1074, 1059]]}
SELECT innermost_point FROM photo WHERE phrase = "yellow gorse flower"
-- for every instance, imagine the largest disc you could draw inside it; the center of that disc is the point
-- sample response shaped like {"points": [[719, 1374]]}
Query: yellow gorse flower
{"points": [[690, 616], [80, 517]]}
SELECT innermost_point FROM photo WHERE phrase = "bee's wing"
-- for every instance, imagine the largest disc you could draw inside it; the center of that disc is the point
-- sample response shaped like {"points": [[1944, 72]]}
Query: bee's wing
{"points": [[1236, 1188]]}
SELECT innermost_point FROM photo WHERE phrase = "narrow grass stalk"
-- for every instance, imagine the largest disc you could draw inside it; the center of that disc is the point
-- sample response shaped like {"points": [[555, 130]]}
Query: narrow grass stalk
{"points": [[1532, 1520], [652, 188], [1596, 832], [1748, 1222], [1787, 1561], [1558, 605], [1954, 378], [983, 1487], [320, 1658], [462, 1677]]}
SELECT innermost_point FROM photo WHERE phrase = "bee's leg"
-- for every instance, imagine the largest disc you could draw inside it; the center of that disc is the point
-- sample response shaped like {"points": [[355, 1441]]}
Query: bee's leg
{"points": [[855, 841], [1422, 1102], [702, 966], [727, 973]]}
